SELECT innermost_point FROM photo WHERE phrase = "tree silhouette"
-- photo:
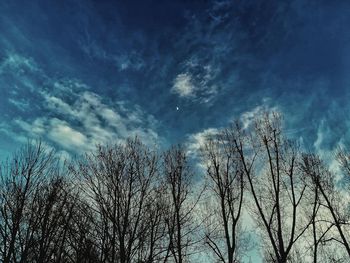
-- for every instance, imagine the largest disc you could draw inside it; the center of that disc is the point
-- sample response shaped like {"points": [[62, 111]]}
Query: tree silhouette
{"points": [[227, 187], [132, 203]]}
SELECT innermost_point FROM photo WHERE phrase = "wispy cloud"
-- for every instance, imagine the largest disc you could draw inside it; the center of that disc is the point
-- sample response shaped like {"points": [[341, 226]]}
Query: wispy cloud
{"points": [[71, 115], [122, 60], [89, 121], [66, 136], [196, 84], [183, 86], [17, 64], [197, 140], [21, 103], [247, 118]]}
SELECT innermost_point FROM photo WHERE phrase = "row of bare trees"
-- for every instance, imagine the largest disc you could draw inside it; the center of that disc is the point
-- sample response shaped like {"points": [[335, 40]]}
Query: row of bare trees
{"points": [[123, 203], [300, 207], [254, 189]]}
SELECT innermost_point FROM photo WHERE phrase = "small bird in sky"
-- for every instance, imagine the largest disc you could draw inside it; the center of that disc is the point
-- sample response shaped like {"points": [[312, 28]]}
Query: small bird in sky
{"points": [[177, 108]]}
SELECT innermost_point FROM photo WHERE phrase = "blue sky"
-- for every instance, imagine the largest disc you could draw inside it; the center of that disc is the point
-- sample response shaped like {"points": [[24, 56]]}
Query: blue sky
{"points": [[76, 73]]}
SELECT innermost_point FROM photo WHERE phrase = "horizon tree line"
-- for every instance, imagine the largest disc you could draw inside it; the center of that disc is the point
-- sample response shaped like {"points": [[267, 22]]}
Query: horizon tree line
{"points": [[132, 203]]}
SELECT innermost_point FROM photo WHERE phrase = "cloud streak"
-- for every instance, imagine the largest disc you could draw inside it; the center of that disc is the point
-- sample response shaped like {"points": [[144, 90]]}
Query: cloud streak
{"points": [[73, 117]]}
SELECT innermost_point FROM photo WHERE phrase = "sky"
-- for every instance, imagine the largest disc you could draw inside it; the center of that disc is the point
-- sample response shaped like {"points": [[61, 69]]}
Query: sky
{"points": [[76, 73]]}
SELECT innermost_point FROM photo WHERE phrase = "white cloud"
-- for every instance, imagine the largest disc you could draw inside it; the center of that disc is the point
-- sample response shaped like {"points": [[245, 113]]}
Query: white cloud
{"points": [[58, 104], [25, 73], [72, 116], [37, 128], [21, 104], [53, 129], [197, 83], [69, 86], [248, 117], [320, 137], [183, 85], [197, 140], [87, 120], [17, 63], [64, 135]]}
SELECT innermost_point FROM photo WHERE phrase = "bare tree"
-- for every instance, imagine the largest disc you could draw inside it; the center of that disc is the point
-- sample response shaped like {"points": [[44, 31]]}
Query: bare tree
{"points": [[269, 163], [34, 207], [125, 204], [18, 178], [325, 183], [313, 170], [227, 186], [120, 184], [82, 236], [181, 202]]}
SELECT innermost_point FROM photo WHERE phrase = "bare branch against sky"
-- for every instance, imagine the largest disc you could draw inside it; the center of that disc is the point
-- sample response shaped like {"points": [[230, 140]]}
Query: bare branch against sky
{"points": [[174, 131]]}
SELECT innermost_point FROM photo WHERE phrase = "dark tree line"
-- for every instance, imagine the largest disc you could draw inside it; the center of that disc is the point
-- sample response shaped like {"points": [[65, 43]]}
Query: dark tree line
{"points": [[133, 203]]}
